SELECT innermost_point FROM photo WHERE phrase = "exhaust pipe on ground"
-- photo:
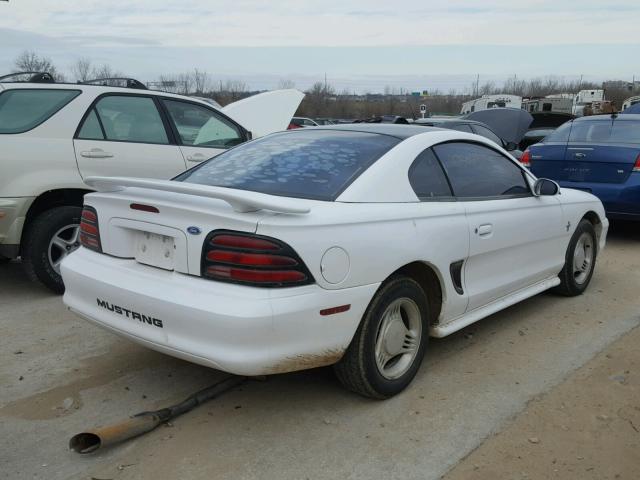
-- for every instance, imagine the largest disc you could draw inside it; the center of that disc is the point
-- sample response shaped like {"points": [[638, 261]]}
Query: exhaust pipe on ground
{"points": [[92, 440]]}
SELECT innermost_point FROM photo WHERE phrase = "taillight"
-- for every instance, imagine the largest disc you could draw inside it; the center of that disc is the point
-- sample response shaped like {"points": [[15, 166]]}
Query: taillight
{"points": [[89, 229], [636, 166], [525, 159], [251, 259]]}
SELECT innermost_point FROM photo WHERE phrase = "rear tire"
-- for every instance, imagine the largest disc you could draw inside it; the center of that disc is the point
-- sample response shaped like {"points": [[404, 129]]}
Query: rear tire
{"points": [[580, 261], [50, 237], [389, 345]]}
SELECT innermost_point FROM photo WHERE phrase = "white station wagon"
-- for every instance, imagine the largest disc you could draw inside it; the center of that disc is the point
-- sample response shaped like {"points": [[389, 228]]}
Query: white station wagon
{"points": [[346, 245]]}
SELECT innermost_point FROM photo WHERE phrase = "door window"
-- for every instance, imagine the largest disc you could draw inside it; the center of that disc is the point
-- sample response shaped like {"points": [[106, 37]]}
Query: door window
{"points": [[200, 127], [427, 178], [125, 118], [476, 171]]}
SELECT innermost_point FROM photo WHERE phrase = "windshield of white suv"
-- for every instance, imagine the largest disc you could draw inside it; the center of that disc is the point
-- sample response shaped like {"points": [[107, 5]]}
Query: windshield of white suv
{"points": [[315, 164], [26, 108]]}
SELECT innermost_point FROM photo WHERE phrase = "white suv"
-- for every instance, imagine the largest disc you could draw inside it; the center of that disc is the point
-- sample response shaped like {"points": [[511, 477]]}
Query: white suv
{"points": [[54, 135]]}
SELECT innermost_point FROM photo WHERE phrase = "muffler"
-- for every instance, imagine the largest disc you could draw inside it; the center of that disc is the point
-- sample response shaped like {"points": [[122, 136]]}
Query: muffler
{"points": [[92, 440]]}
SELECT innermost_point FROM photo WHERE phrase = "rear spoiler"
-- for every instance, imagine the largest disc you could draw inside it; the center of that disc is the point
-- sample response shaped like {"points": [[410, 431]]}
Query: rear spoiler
{"points": [[241, 201]]}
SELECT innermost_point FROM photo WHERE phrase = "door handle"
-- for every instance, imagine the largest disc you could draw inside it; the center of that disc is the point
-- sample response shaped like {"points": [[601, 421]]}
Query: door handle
{"points": [[484, 230], [579, 155], [96, 153], [196, 157]]}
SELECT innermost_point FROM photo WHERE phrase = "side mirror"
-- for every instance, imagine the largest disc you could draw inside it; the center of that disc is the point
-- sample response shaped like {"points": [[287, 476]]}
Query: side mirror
{"points": [[546, 187], [511, 146]]}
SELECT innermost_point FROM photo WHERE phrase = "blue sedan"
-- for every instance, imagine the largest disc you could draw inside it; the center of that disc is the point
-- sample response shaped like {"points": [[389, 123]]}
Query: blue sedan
{"points": [[599, 154]]}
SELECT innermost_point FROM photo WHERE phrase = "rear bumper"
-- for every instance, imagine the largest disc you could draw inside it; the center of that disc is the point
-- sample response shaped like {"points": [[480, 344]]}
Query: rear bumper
{"points": [[237, 329], [620, 200]]}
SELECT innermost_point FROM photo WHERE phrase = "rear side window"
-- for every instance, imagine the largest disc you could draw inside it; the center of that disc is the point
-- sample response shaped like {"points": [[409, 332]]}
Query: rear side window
{"points": [[315, 164], [125, 118], [605, 132], [24, 109], [476, 171], [427, 178]]}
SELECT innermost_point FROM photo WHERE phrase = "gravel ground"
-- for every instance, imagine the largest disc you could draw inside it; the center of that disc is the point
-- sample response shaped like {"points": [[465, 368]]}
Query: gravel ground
{"points": [[586, 428]]}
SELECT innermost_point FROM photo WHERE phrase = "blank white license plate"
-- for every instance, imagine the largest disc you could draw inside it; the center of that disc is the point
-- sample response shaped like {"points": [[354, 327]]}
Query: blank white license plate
{"points": [[155, 250]]}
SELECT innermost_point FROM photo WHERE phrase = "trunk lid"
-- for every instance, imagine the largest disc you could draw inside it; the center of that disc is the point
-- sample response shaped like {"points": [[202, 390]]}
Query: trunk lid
{"points": [[171, 238], [597, 163]]}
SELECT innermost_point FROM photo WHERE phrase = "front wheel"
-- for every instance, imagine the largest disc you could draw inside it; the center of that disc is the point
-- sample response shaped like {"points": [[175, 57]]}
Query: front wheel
{"points": [[390, 342], [580, 261], [51, 236]]}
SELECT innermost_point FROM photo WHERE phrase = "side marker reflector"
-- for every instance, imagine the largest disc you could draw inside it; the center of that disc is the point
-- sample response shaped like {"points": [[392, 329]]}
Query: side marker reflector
{"points": [[333, 310]]}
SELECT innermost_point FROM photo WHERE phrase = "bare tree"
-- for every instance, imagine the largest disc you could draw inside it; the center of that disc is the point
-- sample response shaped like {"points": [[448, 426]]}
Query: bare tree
{"points": [[30, 61], [391, 99], [82, 69], [317, 98], [284, 83], [200, 81], [232, 90], [105, 71]]}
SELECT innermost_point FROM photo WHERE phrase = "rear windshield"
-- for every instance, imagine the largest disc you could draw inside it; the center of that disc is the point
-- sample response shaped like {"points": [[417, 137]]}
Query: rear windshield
{"points": [[560, 134], [24, 109], [315, 164], [606, 132]]}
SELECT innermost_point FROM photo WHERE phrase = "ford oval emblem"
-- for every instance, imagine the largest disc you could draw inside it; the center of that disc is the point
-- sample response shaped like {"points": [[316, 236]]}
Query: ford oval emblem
{"points": [[194, 230]]}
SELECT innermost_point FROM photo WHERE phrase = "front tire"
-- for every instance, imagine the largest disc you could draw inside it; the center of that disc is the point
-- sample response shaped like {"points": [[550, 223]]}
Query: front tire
{"points": [[580, 261], [389, 345], [51, 236]]}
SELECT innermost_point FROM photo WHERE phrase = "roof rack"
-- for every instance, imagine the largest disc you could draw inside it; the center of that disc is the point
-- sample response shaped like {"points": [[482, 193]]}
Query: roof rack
{"points": [[34, 77], [114, 81]]}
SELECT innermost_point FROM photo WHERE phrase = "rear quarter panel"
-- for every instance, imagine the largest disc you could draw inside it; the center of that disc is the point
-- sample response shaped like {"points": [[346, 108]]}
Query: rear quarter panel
{"points": [[379, 239]]}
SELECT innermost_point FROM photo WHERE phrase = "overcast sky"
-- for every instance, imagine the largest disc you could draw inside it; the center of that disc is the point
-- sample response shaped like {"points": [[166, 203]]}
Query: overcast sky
{"points": [[411, 41]]}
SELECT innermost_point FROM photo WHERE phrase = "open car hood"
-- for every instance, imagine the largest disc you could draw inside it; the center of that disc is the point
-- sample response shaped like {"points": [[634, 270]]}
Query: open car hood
{"points": [[266, 112], [510, 124], [550, 119]]}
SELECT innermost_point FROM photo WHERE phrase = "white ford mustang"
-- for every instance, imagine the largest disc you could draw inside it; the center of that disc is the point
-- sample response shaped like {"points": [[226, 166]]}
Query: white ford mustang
{"points": [[346, 245]]}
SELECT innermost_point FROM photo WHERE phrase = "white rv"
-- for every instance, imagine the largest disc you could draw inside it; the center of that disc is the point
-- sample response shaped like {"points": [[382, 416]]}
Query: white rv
{"points": [[491, 101], [550, 103], [585, 98]]}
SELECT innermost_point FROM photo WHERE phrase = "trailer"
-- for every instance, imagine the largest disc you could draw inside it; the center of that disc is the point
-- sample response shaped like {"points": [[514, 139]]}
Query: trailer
{"points": [[491, 101], [548, 104]]}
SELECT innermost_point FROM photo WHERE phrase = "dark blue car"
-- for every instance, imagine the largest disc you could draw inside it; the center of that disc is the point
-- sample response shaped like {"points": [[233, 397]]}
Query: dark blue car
{"points": [[599, 154]]}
